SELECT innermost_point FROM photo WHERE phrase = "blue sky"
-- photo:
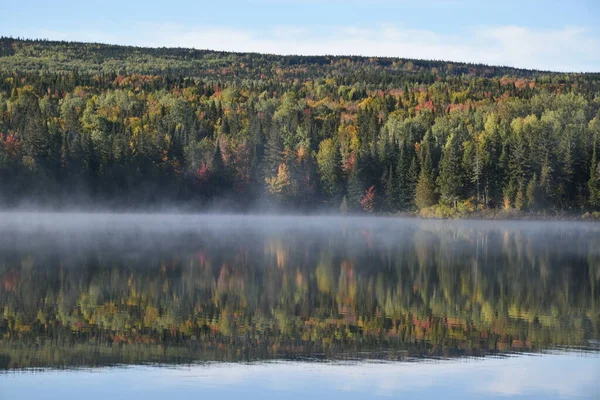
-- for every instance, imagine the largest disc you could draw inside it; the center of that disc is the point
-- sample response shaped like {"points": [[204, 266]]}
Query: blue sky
{"points": [[546, 34]]}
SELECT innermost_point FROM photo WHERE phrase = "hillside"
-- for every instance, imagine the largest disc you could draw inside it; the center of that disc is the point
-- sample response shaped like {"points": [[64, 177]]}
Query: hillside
{"points": [[96, 58], [134, 127]]}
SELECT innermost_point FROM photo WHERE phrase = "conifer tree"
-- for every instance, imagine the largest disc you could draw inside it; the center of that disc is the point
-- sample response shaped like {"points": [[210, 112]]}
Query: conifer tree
{"points": [[594, 181], [532, 193], [450, 179], [355, 187], [425, 195], [390, 196], [344, 206]]}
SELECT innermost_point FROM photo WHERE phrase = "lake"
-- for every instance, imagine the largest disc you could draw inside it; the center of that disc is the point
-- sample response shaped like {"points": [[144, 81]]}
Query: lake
{"points": [[151, 305]]}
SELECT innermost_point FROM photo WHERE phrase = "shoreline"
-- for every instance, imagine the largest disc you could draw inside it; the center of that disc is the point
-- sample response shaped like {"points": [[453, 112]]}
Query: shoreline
{"points": [[487, 215]]}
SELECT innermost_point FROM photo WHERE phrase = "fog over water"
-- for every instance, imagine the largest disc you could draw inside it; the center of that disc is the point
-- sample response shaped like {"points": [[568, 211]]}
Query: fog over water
{"points": [[96, 290], [78, 227]]}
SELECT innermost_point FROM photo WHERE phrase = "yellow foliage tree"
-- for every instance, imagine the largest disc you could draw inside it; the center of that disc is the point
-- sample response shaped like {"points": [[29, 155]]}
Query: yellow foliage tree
{"points": [[279, 185]]}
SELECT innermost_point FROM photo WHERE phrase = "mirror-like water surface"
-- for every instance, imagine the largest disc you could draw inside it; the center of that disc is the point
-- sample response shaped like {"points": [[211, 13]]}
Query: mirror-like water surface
{"points": [[552, 376], [382, 299]]}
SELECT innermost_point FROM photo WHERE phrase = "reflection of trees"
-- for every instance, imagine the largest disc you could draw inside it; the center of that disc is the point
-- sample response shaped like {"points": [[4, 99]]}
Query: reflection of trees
{"points": [[428, 291]]}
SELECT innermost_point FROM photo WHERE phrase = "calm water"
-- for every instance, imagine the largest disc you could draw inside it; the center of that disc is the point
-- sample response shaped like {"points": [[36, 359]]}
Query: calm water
{"points": [[101, 305]]}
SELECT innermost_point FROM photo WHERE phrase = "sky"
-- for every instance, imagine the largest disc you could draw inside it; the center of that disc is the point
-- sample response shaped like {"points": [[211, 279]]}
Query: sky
{"points": [[559, 35]]}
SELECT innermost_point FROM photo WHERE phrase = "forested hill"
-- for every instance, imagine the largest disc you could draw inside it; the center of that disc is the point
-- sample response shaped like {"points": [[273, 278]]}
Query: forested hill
{"points": [[136, 127], [96, 58]]}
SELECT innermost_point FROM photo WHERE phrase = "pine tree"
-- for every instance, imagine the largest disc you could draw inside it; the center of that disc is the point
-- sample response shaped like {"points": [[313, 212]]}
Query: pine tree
{"points": [[477, 170], [390, 196], [225, 128], [567, 164], [425, 191], [411, 182], [355, 188], [532, 192], [34, 133], [520, 199], [450, 179], [218, 172], [406, 177], [344, 206], [594, 181], [545, 183]]}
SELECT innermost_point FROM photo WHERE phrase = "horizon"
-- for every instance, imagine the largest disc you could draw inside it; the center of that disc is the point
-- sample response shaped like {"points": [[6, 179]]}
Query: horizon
{"points": [[538, 35], [213, 50]]}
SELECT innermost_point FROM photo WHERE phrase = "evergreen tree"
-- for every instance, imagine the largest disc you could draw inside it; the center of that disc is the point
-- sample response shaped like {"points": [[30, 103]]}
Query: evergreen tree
{"points": [[425, 192], [545, 184], [355, 188], [344, 206], [450, 178], [412, 181], [532, 193], [520, 200], [425, 195], [390, 196], [594, 181], [406, 177]]}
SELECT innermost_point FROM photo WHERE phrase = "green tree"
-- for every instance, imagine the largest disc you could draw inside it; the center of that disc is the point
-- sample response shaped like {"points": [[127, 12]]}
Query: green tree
{"points": [[425, 195], [594, 181], [329, 164], [450, 178]]}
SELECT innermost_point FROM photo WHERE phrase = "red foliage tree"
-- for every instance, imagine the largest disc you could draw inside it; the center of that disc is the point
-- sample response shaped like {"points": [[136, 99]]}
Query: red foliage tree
{"points": [[368, 200], [202, 173]]}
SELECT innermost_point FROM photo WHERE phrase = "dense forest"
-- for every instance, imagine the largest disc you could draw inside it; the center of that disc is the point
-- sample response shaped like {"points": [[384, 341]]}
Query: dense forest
{"points": [[132, 127]]}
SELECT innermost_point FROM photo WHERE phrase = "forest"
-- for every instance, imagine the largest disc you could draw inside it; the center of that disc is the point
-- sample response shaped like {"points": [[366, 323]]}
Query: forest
{"points": [[128, 127]]}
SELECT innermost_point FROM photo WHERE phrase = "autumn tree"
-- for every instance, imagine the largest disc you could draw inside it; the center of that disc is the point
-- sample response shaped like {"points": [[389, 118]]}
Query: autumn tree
{"points": [[330, 164], [368, 201], [280, 185]]}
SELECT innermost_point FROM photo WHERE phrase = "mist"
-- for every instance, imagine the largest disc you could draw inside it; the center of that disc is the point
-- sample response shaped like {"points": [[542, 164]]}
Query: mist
{"points": [[85, 289], [174, 231]]}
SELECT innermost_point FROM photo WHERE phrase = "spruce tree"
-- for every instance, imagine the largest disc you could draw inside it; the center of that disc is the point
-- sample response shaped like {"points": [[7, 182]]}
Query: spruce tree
{"points": [[520, 199], [344, 206], [450, 179], [425, 195], [411, 181], [390, 195], [594, 181], [532, 193], [355, 188]]}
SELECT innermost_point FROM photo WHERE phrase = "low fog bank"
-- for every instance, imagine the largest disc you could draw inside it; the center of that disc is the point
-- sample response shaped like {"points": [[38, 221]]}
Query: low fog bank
{"points": [[179, 220], [151, 231], [154, 200]]}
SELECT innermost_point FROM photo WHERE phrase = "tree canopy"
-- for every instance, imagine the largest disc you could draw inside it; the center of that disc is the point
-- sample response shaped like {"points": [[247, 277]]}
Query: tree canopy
{"points": [[130, 126]]}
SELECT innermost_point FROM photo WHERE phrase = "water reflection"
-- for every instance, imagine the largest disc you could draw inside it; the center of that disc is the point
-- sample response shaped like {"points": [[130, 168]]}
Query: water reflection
{"points": [[87, 290], [553, 376]]}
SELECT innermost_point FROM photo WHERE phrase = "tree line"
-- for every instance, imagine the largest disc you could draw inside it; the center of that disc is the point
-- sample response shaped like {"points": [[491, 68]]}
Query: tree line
{"points": [[133, 127]]}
